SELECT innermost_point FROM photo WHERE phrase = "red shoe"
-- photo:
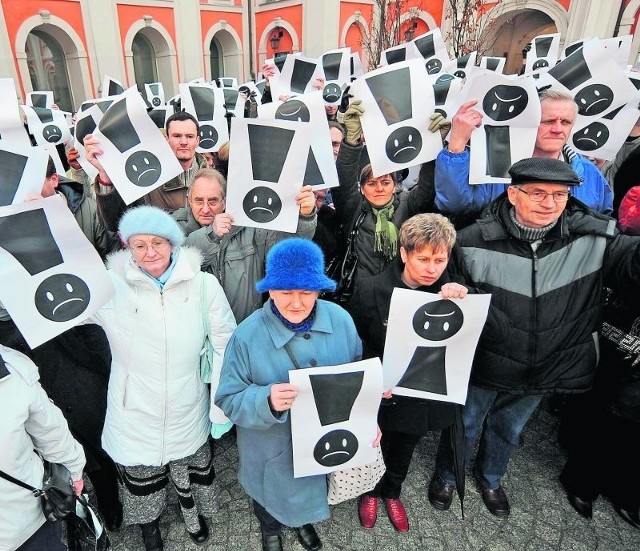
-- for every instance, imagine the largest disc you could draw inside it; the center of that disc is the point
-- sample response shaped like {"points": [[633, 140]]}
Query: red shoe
{"points": [[368, 511], [397, 514]]}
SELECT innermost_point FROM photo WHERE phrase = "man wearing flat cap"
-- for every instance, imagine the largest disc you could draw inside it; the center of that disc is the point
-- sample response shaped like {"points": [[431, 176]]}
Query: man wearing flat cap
{"points": [[543, 256]]}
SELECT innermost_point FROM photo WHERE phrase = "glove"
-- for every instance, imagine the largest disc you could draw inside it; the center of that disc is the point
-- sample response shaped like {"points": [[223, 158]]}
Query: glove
{"points": [[438, 122], [526, 50], [218, 430], [351, 121], [344, 101]]}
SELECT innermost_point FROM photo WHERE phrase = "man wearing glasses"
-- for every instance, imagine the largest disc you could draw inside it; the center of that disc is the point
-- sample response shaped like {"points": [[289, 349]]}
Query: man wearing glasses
{"points": [[234, 254], [463, 202], [543, 256]]}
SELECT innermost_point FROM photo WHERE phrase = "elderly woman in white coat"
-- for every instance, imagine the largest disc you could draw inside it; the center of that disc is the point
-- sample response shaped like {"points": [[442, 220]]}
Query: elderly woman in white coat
{"points": [[255, 393], [30, 422], [157, 424]]}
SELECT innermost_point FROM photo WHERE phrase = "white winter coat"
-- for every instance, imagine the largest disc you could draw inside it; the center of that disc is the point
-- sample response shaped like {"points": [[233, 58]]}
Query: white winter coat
{"points": [[157, 406], [29, 420]]}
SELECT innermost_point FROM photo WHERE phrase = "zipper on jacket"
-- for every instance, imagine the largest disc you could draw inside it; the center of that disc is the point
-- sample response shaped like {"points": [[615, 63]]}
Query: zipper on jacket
{"points": [[166, 384], [534, 309]]}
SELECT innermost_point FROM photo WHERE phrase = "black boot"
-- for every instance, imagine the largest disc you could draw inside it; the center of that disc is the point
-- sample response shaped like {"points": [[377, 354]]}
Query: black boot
{"points": [[151, 536]]}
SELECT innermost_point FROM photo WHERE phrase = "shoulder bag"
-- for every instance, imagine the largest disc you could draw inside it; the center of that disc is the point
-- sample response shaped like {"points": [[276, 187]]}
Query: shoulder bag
{"points": [[56, 494]]}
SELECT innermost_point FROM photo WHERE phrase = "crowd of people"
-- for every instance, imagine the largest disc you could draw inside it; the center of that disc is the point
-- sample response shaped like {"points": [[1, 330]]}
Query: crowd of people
{"points": [[134, 413]]}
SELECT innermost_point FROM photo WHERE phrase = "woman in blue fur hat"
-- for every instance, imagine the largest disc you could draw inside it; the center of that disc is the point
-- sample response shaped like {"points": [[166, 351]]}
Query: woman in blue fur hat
{"points": [[292, 330]]}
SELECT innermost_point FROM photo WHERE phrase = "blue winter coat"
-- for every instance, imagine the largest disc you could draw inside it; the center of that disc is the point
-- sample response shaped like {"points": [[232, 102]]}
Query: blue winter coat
{"points": [[455, 196], [254, 360]]}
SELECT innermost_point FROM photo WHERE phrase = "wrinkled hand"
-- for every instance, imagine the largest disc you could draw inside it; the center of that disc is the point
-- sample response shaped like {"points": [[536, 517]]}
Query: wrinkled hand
{"points": [[464, 122], [78, 485], [222, 223], [282, 395], [268, 71], [306, 200], [438, 122], [453, 290], [93, 151], [351, 121], [376, 442]]}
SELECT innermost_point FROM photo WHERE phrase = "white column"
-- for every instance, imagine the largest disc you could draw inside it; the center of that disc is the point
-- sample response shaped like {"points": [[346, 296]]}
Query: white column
{"points": [[7, 62], [104, 43], [320, 30], [589, 18], [188, 39]]}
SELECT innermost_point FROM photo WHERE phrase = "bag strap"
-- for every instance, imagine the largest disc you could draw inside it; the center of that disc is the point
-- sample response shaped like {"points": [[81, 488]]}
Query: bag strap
{"points": [[293, 359], [35, 491]]}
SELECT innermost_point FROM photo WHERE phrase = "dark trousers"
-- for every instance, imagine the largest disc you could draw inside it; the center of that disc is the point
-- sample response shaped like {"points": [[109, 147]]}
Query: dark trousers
{"points": [[47, 538], [397, 451], [269, 526]]}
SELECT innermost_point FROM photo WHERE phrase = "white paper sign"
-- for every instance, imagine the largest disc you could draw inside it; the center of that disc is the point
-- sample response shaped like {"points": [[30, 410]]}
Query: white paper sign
{"points": [[321, 170], [511, 116], [398, 102], [23, 172], [430, 344], [298, 76], [48, 126], [334, 416], [543, 54], [42, 99], [86, 123], [206, 103], [137, 158], [267, 162], [11, 127], [51, 277]]}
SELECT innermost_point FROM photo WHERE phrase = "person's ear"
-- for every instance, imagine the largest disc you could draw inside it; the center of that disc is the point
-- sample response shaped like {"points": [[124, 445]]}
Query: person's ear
{"points": [[511, 194], [403, 255]]}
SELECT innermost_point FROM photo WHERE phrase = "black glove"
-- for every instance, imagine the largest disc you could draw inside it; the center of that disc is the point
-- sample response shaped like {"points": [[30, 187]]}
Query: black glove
{"points": [[526, 50], [344, 102]]}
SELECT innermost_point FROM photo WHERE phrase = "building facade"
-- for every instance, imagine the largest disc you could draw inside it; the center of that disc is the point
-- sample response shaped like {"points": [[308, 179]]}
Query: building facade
{"points": [[68, 46]]}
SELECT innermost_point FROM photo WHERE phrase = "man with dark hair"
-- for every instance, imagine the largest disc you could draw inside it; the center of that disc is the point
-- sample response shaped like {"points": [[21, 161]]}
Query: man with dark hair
{"points": [[543, 256], [182, 133]]}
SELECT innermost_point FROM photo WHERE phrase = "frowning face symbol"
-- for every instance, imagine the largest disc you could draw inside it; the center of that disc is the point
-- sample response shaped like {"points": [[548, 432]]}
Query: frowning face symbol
{"points": [[433, 66], [335, 448], [208, 136], [540, 64], [437, 321], [504, 102], [156, 101], [403, 144], [331, 93], [262, 204], [460, 73], [293, 110], [143, 168], [51, 133], [62, 297], [591, 137], [594, 99]]}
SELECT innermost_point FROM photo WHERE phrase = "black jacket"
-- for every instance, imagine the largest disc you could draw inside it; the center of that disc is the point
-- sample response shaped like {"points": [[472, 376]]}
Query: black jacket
{"points": [[541, 334], [369, 308]]}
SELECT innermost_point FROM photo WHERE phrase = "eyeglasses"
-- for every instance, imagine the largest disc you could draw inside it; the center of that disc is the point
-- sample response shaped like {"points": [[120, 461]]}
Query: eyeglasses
{"points": [[213, 202], [157, 245], [538, 195]]}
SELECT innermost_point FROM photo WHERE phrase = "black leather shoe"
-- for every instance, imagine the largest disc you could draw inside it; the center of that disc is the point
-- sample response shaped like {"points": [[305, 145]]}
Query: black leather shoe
{"points": [[272, 542], [440, 493], [151, 536], [201, 535], [628, 516], [583, 506], [308, 537], [496, 501]]}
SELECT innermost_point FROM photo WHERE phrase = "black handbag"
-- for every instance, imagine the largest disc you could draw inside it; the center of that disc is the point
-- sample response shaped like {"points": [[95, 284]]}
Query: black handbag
{"points": [[342, 269], [56, 494], [85, 528]]}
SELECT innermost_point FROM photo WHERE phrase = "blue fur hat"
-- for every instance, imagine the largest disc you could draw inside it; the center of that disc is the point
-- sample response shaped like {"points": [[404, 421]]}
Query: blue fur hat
{"points": [[295, 263], [152, 221]]}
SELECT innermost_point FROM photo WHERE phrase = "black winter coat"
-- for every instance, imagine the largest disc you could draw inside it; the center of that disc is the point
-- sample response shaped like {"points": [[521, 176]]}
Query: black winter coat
{"points": [[369, 308]]}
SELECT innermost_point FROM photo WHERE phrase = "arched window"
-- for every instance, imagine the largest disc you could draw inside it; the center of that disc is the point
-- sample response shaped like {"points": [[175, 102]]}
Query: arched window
{"points": [[48, 68], [144, 61], [217, 63]]}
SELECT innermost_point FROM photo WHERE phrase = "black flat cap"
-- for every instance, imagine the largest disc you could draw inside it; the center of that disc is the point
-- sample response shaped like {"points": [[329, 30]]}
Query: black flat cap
{"points": [[543, 170]]}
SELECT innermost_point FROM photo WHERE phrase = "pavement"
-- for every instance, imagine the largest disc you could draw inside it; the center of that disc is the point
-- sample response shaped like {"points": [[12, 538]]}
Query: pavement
{"points": [[541, 518]]}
